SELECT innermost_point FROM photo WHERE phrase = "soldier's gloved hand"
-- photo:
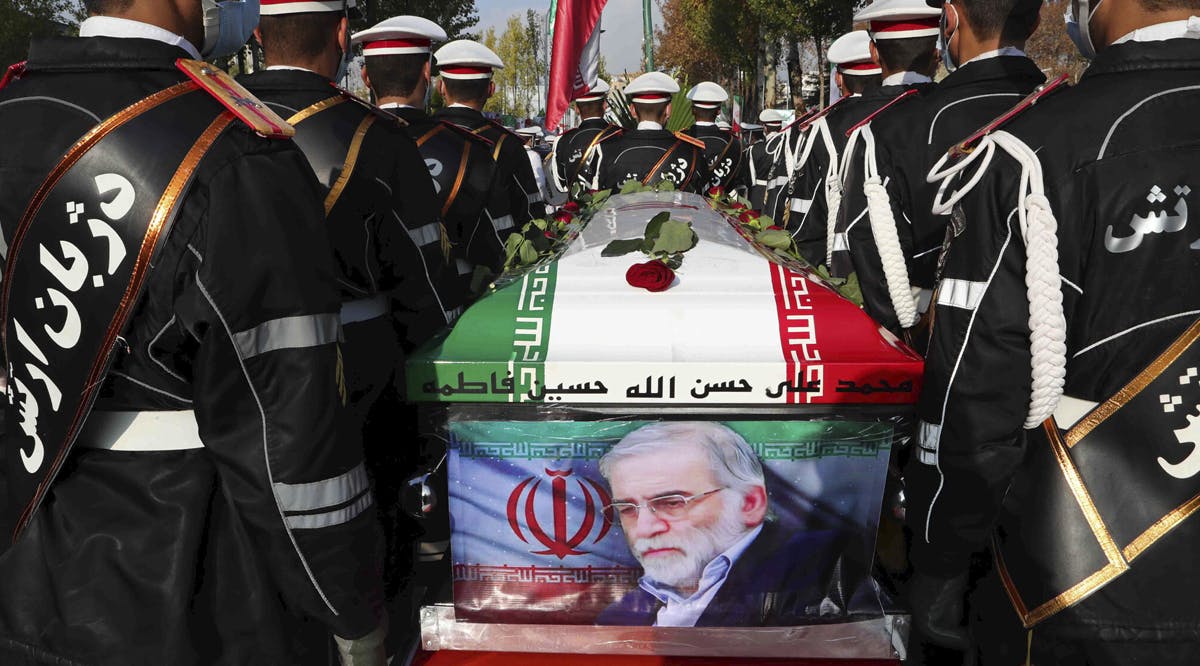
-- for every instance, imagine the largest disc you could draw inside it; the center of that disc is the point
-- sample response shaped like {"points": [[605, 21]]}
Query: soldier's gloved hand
{"points": [[368, 650], [937, 607]]}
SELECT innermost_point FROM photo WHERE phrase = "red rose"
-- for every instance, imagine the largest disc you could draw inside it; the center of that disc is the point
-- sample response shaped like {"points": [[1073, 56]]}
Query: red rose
{"points": [[775, 227], [549, 234], [571, 207], [737, 205], [562, 216], [715, 191], [651, 276], [748, 216]]}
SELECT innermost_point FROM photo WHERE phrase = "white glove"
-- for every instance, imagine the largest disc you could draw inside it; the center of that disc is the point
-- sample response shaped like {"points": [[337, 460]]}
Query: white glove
{"points": [[366, 651]]}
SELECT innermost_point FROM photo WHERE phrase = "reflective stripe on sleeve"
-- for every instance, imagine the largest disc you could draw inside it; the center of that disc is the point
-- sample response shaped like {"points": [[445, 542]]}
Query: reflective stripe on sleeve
{"points": [[963, 294], [801, 205], [323, 494], [503, 222], [426, 235], [928, 437], [289, 333], [839, 243], [316, 521]]}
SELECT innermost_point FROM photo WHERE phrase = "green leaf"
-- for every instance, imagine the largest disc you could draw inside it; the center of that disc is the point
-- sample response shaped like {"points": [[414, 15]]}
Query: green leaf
{"points": [[540, 242], [539, 223], [675, 236], [774, 238], [766, 221], [631, 187], [513, 242], [655, 225], [528, 253], [619, 247], [665, 186], [480, 279]]}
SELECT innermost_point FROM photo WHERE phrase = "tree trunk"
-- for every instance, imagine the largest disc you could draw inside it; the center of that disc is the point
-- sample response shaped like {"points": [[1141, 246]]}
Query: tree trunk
{"points": [[795, 74], [822, 66], [770, 74]]}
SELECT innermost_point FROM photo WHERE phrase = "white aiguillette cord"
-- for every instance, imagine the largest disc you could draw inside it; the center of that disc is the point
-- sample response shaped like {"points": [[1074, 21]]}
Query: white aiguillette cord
{"points": [[1043, 284]]}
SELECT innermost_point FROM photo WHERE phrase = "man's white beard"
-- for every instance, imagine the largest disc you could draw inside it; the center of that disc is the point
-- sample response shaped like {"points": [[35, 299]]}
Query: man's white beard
{"points": [[699, 546]]}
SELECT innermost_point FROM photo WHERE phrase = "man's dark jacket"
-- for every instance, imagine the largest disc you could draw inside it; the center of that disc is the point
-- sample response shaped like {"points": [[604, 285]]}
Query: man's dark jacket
{"points": [[649, 156], [909, 140], [572, 152], [1119, 145], [781, 579], [188, 556]]}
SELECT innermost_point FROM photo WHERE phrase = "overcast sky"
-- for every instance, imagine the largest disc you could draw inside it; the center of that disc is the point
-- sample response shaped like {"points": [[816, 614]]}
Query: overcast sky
{"points": [[621, 42]]}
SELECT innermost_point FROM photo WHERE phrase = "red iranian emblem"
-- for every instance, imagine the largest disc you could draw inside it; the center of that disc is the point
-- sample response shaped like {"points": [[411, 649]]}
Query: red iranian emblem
{"points": [[561, 544]]}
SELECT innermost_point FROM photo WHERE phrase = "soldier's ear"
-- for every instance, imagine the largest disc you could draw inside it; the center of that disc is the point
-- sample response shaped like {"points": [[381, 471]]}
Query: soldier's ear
{"points": [[491, 88], [343, 35], [258, 36], [667, 111], [426, 70], [875, 54], [366, 76]]}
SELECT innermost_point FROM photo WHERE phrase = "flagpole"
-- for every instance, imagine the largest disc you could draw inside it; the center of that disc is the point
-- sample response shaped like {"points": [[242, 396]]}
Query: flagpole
{"points": [[648, 35]]}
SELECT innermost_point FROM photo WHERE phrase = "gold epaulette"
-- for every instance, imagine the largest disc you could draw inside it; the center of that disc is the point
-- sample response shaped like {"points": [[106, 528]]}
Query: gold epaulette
{"points": [[240, 102], [690, 139], [967, 145]]}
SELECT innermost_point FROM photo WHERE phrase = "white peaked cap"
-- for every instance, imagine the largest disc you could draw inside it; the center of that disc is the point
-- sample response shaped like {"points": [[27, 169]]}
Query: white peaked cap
{"points": [[466, 59], [399, 35], [751, 127], [852, 54], [770, 116], [282, 7], [707, 95], [651, 87], [598, 92], [724, 125], [900, 19], [529, 131]]}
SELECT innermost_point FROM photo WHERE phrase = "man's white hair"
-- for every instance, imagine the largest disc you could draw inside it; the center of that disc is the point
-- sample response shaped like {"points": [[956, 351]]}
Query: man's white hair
{"points": [[732, 461]]}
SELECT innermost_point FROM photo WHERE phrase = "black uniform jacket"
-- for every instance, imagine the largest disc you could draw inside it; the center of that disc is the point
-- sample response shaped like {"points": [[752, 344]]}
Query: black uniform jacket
{"points": [[909, 138], [206, 555], [808, 221], [1120, 147], [572, 151], [515, 171], [384, 224], [765, 178], [726, 157], [648, 156]]}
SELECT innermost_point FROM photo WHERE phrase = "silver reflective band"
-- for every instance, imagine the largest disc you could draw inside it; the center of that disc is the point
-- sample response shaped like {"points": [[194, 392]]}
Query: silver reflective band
{"points": [[839, 243], [463, 267], [316, 521], [928, 436], [141, 431], [1071, 410], [322, 494], [503, 222], [536, 197], [963, 294], [801, 205], [426, 235], [366, 308], [451, 315], [778, 181], [289, 333]]}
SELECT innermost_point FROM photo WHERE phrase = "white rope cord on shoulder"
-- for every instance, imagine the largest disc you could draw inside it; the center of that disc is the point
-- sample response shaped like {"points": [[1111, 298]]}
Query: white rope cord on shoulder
{"points": [[887, 239], [1043, 284], [833, 190]]}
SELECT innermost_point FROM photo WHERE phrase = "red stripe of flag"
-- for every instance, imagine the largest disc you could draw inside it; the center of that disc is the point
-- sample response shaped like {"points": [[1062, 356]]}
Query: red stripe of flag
{"points": [[574, 23]]}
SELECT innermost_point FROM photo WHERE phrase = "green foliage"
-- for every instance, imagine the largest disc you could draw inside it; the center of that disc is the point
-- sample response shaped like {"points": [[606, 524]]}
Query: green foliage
{"points": [[618, 109], [456, 17], [519, 86], [22, 20]]}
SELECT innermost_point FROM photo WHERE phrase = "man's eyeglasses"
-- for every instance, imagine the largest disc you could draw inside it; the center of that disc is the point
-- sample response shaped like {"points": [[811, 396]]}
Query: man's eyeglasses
{"points": [[667, 507]]}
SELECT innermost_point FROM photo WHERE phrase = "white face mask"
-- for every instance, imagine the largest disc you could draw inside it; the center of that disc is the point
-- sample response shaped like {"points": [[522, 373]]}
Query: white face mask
{"points": [[1079, 31], [228, 25]]}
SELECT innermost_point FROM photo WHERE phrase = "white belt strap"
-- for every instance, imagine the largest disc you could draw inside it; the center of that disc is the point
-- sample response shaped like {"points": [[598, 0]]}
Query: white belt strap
{"points": [[141, 431], [365, 308]]}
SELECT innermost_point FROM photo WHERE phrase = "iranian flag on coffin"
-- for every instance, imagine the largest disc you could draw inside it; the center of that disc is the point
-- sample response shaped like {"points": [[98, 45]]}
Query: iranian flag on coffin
{"points": [[531, 542], [734, 328]]}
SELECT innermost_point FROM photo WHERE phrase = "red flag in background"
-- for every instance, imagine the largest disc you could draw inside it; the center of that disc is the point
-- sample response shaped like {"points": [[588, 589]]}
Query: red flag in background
{"points": [[574, 55]]}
